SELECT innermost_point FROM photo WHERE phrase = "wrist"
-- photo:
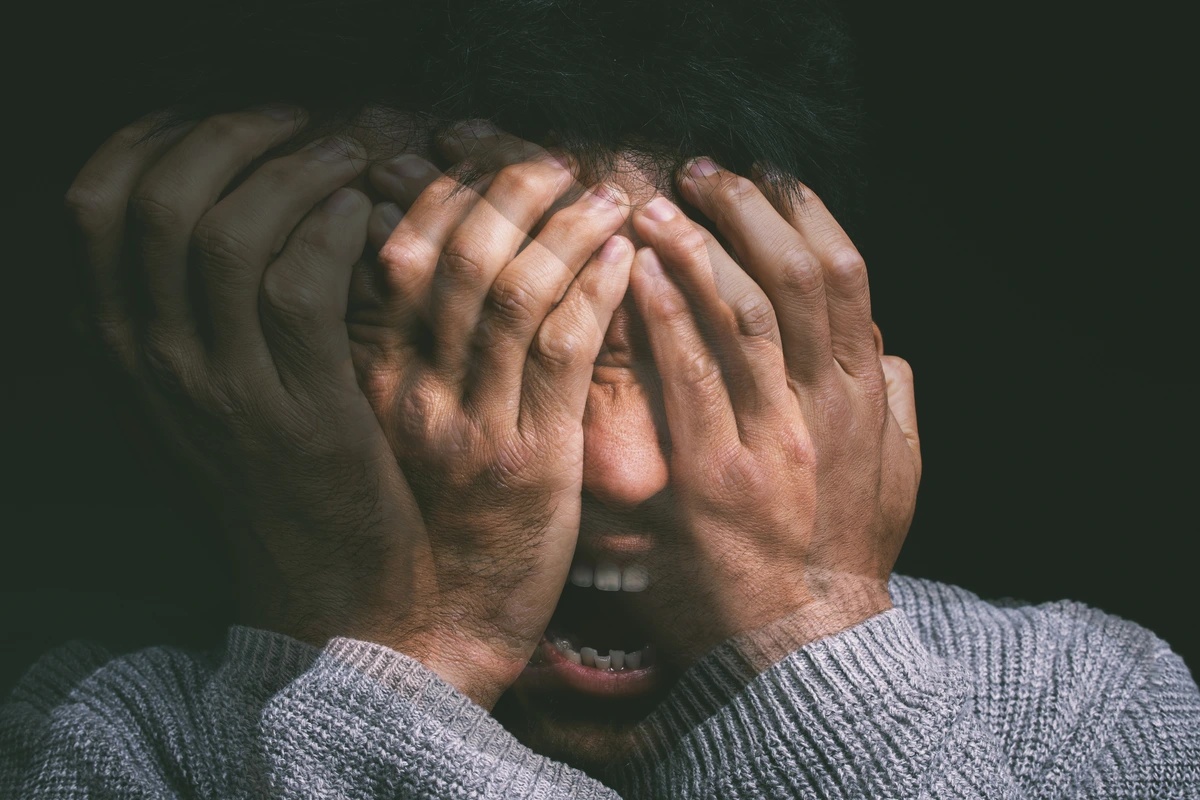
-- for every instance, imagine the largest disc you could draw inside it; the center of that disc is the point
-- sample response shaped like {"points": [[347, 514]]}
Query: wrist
{"points": [[473, 668], [840, 606]]}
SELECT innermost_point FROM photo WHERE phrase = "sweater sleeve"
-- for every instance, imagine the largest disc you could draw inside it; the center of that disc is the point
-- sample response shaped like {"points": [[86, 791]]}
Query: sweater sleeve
{"points": [[873, 712], [273, 718]]}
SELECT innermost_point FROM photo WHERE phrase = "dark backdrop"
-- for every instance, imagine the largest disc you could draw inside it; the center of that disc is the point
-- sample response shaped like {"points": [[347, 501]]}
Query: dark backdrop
{"points": [[1029, 232]]}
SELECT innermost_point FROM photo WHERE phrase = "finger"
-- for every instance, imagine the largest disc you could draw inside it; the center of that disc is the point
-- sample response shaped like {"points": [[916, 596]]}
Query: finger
{"points": [[847, 292], [699, 412], [778, 258], [480, 146], [174, 195], [239, 236], [409, 256], [97, 203], [902, 399], [558, 372], [403, 179], [526, 290], [303, 296], [487, 240], [742, 333], [740, 293], [482, 143], [384, 219]]}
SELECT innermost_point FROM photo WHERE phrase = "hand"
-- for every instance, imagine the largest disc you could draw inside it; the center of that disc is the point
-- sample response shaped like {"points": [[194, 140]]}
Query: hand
{"points": [[475, 346], [794, 455], [224, 305]]}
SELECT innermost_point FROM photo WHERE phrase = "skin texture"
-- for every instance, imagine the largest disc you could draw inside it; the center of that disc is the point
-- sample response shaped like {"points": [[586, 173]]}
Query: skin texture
{"points": [[743, 431], [412, 442]]}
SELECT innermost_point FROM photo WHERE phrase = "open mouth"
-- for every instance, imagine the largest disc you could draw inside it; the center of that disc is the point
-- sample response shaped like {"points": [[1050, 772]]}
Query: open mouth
{"points": [[594, 642]]}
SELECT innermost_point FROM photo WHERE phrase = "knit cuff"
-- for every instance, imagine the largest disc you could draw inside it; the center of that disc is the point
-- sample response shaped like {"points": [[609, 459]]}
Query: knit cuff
{"points": [[262, 662], [398, 704], [866, 685]]}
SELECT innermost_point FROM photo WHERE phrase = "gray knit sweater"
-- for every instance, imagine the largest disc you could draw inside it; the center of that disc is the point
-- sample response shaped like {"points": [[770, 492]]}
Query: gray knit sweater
{"points": [[944, 696]]}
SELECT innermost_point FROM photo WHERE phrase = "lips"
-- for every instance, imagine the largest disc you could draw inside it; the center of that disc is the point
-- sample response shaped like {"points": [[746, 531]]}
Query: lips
{"points": [[553, 671], [594, 643]]}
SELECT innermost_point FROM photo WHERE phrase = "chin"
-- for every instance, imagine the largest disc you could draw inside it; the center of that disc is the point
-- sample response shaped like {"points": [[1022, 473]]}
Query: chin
{"points": [[592, 734]]}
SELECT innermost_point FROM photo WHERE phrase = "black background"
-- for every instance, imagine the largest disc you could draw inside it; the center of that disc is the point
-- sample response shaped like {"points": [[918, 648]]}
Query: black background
{"points": [[1029, 234]]}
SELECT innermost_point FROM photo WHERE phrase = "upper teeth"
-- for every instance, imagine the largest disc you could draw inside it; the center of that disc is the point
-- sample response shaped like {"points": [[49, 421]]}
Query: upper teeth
{"points": [[608, 577]]}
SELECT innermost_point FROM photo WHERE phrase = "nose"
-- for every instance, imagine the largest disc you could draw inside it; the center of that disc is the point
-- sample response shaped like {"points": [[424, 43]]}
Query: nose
{"points": [[623, 460]]}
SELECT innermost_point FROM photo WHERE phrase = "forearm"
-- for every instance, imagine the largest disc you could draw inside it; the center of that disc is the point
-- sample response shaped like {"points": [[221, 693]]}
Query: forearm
{"points": [[275, 716], [873, 712]]}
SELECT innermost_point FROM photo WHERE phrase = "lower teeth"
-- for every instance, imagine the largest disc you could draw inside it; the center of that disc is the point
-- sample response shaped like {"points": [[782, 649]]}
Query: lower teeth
{"points": [[614, 661]]}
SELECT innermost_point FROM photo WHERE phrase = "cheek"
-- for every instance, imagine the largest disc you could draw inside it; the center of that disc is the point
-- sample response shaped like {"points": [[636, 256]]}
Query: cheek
{"points": [[624, 463]]}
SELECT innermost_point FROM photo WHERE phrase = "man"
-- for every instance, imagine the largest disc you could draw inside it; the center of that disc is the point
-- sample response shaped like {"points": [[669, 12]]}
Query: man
{"points": [[529, 384]]}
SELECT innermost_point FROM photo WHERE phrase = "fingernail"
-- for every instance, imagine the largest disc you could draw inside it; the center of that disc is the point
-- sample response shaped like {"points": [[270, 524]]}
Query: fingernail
{"points": [[409, 166], [342, 202], [651, 265], [613, 250], [337, 148], [661, 209], [702, 168], [391, 215]]}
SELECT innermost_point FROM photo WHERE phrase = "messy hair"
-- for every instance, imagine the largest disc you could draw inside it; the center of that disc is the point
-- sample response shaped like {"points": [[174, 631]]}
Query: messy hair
{"points": [[742, 81]]}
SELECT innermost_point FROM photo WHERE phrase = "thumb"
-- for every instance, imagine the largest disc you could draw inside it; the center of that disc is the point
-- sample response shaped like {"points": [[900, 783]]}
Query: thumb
{"points": [[902, 400]]}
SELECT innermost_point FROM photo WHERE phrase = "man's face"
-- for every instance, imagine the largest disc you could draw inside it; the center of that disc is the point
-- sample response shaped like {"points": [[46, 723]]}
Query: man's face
{"points": [[579, 712], [563, 706]]}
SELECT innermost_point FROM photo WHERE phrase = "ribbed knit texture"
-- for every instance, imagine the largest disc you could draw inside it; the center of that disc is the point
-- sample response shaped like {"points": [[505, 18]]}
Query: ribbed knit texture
{"points": [[945, 696]]}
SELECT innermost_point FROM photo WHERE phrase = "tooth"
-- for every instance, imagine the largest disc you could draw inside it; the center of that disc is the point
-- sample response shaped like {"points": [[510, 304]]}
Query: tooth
{"points": [[608, 577], [588, 656], [581, 575], [618, 658], [603, 662], [634, 578], [564, 646], [633, 660]]}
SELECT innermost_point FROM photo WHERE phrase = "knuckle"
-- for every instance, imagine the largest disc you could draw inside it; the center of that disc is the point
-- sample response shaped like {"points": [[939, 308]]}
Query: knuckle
{"points": [[115, 333], [800, 270], [755, 317], [532, 178], [796, 446], [846, 266], [237, 128], [512, 303], [686, 241], [404, 253], [461, 262], [558, 348], [404, 257], [422, 410], [734, 190], [152, 208], [294, 300], [165, 358], [90, 208], [700, 372]]}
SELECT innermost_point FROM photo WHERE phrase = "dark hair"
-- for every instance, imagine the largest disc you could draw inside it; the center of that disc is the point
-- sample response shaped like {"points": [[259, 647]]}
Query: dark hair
{"points": [[665, 80]]}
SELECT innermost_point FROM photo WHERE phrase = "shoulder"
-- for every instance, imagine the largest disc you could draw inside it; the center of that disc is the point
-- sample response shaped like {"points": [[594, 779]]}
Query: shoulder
{"points": [[1052, 640], [98, 710], [1061, 678]]}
